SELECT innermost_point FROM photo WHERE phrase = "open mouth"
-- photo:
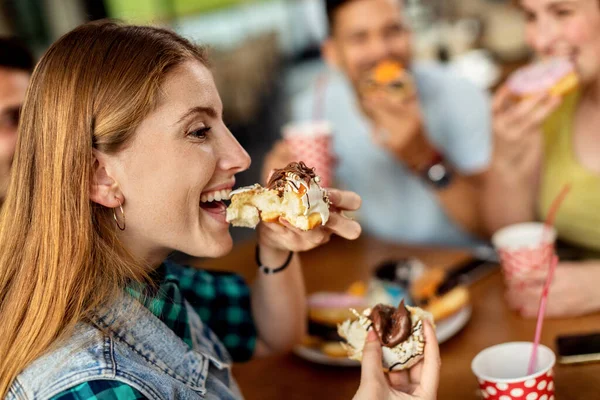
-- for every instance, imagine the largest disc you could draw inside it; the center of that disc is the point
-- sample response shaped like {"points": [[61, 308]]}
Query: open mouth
{"points": [[215, 201]]}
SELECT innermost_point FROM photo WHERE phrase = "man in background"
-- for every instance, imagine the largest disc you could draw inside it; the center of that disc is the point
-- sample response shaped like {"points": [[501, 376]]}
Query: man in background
{"points": [[417, 162], [16, 64]]}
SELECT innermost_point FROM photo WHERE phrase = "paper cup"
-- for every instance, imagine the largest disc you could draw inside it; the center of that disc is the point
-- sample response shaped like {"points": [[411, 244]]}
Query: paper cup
{"points": [[311, 142], [524, 248], [501, 371]]}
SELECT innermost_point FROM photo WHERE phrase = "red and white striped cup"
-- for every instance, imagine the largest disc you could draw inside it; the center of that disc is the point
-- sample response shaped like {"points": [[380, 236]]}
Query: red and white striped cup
{"points": [[311, 142], [524, 248], [501, 371]]}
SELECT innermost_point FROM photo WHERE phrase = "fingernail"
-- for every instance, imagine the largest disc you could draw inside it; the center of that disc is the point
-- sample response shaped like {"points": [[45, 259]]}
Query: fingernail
{"points": [[372, 336], [427, 325]]}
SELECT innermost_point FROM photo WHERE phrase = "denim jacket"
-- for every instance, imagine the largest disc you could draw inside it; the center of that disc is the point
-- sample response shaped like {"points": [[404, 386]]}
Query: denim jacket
{"points": [[127, 343]]}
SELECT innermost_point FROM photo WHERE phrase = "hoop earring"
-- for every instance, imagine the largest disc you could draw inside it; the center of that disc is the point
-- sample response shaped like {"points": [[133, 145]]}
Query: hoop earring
{"points": [[122, 213]]}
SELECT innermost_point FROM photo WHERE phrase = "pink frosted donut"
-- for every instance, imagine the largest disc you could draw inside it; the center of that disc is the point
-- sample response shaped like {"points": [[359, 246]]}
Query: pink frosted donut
{"points": [[555, 76]]}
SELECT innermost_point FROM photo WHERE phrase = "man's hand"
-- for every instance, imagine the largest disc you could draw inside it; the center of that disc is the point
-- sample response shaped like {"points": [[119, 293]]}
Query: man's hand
{"points": [[398, 127]]}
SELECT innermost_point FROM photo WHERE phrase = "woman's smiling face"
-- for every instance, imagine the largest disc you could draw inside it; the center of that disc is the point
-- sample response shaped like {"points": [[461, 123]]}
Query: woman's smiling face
{"points": [[181, 153]]}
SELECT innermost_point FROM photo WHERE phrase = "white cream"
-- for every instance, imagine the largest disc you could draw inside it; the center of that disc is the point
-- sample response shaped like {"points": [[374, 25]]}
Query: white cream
{"points": [[245, 189], [402, 356], [314, 198], [293, 206]]}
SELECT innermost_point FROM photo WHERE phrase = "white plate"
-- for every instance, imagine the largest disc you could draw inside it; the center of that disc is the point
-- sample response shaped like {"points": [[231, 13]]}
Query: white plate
{"points": [[444, 330], [318, 357], [452, 325]]}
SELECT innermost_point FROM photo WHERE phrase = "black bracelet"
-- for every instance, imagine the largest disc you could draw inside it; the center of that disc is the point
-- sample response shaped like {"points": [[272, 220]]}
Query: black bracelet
{"points": [[270, 271]]}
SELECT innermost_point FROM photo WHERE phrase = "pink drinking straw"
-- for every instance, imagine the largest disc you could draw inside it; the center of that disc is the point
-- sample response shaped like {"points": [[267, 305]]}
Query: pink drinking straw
{"points": [[556, 205], [554, 261], [540, 316]]}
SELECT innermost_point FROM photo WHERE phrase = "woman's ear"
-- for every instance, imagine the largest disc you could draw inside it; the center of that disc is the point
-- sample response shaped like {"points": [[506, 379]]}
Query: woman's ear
{"points": [[104, 189]]}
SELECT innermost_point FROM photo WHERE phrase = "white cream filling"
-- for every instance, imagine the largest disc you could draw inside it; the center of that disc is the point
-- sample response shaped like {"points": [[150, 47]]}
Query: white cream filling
{"points": [[402, 356], [313, 198], [245, 189]]}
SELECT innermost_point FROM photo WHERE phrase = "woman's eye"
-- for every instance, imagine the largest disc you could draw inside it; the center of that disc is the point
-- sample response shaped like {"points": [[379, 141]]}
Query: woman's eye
{"points": [[199, 133], [563, 13], [529, 16]]}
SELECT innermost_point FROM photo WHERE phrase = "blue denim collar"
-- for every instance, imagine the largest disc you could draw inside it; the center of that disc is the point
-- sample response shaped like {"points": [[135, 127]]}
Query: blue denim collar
{"points": [[129, 322]]}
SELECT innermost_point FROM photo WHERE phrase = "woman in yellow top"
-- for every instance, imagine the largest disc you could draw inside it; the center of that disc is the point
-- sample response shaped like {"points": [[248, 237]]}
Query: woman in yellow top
{"points": [[545, 142]]}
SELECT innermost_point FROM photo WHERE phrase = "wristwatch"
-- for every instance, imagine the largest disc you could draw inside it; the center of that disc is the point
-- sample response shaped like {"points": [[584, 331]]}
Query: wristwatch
{"points": [[437, 173]]}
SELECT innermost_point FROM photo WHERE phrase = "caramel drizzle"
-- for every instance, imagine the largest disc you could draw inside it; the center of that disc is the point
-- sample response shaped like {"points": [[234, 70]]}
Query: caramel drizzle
{"points": [[279, 178]]}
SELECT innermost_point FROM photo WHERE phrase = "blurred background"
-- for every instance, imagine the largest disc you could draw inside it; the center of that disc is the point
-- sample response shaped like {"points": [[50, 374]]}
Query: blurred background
{"points": [[266, 51]]}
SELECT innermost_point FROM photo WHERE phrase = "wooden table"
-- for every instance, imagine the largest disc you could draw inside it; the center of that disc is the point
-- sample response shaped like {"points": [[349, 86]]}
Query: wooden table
{"points": [[338, 264]]}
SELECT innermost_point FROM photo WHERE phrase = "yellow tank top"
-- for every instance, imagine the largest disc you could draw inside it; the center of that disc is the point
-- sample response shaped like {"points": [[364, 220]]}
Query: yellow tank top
{"points": [[578, 219]]}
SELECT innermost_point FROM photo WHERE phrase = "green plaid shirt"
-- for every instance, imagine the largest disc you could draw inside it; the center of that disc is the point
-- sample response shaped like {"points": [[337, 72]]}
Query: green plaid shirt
{"points": [[222, 300]]}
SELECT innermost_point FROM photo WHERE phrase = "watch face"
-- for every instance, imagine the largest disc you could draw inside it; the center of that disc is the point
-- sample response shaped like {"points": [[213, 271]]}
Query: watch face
{"points": [[438, 175]]}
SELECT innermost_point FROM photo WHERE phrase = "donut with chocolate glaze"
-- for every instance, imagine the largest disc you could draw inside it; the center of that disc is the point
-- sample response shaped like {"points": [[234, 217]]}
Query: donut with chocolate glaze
{"points": [[392, 324], [401, 347]]}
